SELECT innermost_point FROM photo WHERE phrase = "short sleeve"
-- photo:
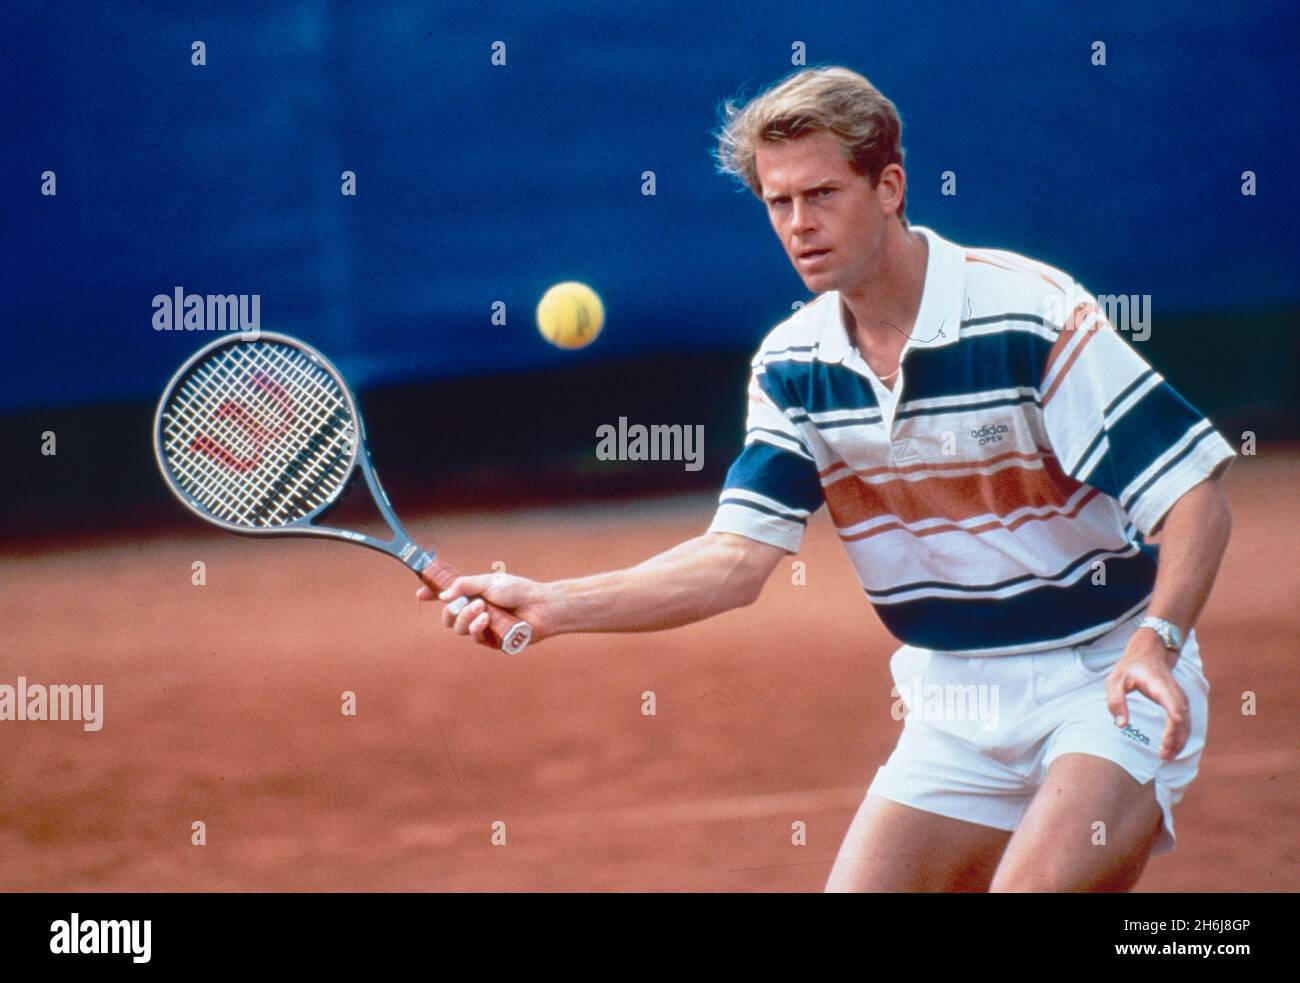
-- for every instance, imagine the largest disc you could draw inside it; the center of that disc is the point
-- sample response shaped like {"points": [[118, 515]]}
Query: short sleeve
{"points": [[1117, 425], [772, 487]]}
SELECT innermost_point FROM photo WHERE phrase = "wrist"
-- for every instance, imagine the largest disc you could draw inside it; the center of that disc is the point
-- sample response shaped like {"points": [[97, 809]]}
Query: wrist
{"points": [[1159, 638], [1146, 644], [552, 604]]}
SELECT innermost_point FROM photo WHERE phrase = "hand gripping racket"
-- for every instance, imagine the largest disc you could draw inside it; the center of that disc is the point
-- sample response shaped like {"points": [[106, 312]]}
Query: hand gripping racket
{"points": [[262, 437]]}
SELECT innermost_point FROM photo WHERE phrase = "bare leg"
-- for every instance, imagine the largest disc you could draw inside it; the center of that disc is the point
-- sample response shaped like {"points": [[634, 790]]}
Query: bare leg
{"points": [[1053, 849], [893, 847]]}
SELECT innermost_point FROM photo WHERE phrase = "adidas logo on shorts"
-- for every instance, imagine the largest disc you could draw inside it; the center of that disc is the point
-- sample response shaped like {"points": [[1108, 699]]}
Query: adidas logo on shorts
{"points": [[1128, 730]]}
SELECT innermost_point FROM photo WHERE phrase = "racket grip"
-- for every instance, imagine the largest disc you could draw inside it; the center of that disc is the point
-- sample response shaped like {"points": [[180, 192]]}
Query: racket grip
{"points": [[509, 633]]}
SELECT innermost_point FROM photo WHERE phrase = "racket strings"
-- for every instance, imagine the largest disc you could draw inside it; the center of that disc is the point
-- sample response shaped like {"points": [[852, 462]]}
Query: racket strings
{"points": [[234, 402], [216, 445], [232, 440], [201, 430], [209, 448], [307, 471], [259, 435], [271, 485], [280, 463]]}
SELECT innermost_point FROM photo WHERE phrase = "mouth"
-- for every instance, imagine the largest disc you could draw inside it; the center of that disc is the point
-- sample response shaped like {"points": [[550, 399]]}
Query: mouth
{"points": [[811, 257]]}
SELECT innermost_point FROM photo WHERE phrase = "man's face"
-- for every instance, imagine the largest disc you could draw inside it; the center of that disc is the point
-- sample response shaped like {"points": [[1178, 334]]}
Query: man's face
{"points": [[827, 216]]}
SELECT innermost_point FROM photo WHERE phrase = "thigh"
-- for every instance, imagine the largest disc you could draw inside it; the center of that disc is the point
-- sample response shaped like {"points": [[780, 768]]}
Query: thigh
{"points": [[893, 847], [1056, 847]]}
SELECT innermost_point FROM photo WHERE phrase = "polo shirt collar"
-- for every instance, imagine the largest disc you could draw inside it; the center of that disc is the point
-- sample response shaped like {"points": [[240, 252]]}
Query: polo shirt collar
{"points": [[938, 322]]}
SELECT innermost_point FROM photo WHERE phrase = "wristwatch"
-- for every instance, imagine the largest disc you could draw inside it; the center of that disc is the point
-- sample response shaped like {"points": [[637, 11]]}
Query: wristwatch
{"points": [[1168, 632]]}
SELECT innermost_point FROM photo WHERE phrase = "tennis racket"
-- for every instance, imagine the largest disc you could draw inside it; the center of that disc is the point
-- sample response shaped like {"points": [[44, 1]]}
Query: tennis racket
{"points": [[262, 437]]}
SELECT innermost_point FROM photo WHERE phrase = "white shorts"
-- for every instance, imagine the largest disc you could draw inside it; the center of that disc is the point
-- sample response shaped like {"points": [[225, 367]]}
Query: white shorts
{"points": [[981, 732]]}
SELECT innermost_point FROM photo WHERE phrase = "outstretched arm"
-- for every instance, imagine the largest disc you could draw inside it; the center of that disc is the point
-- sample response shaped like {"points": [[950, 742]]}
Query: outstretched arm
{"points": [[692, 581]]}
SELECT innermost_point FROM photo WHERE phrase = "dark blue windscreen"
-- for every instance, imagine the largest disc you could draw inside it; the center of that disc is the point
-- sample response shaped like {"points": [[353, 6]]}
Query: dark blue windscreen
{"points": [[480, 183]]}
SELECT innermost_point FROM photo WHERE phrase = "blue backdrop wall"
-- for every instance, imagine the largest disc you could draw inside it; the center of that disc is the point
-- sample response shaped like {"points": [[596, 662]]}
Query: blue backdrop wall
{"points": [[479, 183]]}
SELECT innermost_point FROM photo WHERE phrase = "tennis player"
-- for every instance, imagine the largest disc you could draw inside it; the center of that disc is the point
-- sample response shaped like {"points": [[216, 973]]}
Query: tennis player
{"points": [[994, 456]]}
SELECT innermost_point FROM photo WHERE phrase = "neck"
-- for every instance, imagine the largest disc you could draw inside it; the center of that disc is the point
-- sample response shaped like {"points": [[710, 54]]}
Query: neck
{"points": [[893, 295]]}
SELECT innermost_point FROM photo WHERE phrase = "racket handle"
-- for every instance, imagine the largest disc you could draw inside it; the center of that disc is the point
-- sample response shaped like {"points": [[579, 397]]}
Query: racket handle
{"points": [[510, 633]]}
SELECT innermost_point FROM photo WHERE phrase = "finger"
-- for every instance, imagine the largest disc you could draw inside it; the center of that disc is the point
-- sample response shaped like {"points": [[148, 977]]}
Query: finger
{"points": [[1172, 741], [425, 593], [1178, 722], [472, 586], [452, 590], [468, 614], [1174, 737], [1170, 696], [478, 627], [1116, 686], [450, 612]]}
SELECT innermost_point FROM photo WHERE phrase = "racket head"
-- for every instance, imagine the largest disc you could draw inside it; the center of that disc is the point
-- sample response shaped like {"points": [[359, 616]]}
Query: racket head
{"points": [[258, 436]]}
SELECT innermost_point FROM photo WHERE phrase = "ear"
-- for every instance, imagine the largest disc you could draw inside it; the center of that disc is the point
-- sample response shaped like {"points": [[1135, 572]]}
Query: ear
{"points": [[890, 188]]}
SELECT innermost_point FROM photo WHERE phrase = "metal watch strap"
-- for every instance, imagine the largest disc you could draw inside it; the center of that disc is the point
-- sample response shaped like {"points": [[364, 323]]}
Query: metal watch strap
{"points": [[1168, 632]]}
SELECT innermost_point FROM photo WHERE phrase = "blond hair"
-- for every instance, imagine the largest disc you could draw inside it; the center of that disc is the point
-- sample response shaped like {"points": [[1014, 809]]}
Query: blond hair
{"points": [[831, 100]]}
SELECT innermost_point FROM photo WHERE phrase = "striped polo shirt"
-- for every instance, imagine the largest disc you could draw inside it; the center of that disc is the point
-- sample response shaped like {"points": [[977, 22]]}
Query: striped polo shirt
{"points": [[1000, 505]]}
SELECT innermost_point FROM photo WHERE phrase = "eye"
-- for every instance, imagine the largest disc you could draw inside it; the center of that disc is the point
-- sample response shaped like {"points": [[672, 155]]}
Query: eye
{"points": [[823, 192]]}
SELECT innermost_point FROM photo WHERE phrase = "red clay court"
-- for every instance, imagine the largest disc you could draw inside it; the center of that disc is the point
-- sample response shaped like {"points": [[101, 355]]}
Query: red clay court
{"points": [[222, 704]]}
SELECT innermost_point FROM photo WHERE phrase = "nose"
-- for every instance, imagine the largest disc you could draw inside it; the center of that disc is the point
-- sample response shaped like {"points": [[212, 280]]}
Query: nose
{"points": [[801, 219]]}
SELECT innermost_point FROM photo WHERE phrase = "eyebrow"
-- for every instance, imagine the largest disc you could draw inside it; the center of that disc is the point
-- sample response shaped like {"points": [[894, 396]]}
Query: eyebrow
{"points": [[806, 191]]}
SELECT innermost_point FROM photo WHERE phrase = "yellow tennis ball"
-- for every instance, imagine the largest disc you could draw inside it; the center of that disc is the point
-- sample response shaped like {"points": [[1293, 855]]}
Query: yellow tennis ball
{"points": [[570, 315]]}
